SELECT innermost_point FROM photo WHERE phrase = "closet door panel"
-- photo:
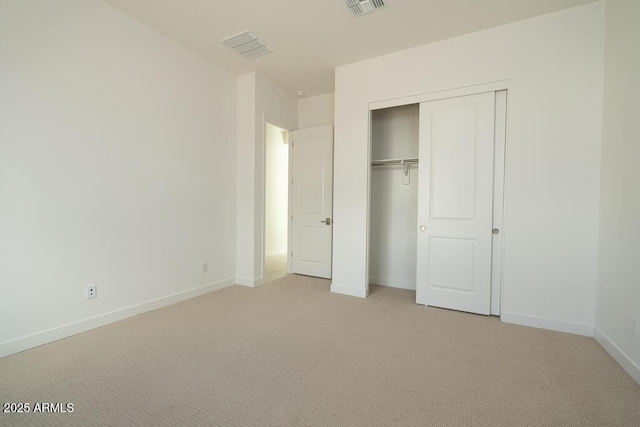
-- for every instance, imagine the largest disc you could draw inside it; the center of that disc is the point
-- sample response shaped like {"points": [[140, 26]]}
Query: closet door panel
{"points": [[453, 162], [455, 203], [451, 263]]}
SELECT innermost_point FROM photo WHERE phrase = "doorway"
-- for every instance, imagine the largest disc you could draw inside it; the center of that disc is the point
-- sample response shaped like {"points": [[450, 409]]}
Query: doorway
{"points": [[276, 239]]}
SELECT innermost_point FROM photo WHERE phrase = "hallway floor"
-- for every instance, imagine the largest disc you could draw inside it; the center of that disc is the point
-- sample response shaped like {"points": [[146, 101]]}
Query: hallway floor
{"points": [[275, 267]]}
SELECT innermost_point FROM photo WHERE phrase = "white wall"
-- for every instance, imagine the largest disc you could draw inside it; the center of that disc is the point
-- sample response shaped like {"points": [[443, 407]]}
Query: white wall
{"points": [[394, 204], [246, 180], [315, 111], [555, 67], [259, 102], [276, 190], [618, 268], [117, 168]]}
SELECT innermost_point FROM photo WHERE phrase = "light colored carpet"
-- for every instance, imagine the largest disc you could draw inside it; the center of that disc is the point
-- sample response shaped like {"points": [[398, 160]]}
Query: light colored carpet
{"points": [[292, 353]]}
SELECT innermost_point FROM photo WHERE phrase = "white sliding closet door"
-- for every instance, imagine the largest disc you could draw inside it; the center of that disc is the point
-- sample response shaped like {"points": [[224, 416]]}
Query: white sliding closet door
{"points": [[455, 203]]}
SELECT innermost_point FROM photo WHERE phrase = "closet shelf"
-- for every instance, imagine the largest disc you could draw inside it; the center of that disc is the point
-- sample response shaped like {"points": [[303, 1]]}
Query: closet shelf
{"points": [[401, 162]]}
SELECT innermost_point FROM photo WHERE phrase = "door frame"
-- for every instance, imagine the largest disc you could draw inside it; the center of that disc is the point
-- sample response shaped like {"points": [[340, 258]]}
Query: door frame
{"points": [[499, 179], [500, 89], [268, 119]]}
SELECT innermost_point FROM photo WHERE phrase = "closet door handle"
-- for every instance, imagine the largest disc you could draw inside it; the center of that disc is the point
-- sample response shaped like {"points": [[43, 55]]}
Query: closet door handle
{"points": [[327, 221], [423, 228]]}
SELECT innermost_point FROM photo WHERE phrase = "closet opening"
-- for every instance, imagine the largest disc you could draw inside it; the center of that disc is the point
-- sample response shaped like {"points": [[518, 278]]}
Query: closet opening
{"points": [[394, 196], [276, 237]]}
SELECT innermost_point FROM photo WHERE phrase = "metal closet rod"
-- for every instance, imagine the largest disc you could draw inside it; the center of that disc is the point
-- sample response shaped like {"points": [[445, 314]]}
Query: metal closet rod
{"points": [[401, 162]]}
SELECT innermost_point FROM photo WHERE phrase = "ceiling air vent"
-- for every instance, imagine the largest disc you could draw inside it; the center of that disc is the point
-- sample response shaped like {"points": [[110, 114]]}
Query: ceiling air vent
{"points": [[247, 45], [359, 8]]}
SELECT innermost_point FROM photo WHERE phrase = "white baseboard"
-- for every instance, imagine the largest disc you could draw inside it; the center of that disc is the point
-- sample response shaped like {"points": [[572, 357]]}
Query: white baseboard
{"points": [[619, 356], [64, 331], [545, 323], [244, 282], [393, 283], [250, 283], [347, 290]]}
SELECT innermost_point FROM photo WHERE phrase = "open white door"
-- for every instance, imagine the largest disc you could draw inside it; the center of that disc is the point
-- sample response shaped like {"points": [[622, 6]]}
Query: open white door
{"points": [[455, 203], [312, 201]]}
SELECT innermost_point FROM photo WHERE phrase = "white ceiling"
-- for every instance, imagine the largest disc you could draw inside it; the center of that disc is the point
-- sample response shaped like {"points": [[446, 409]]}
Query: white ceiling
{"points": [[311, 38]]}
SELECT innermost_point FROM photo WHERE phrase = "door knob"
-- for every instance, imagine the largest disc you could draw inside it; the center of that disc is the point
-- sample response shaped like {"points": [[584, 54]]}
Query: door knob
{"points": [[327, 221], [495, 231], [423, 228]]}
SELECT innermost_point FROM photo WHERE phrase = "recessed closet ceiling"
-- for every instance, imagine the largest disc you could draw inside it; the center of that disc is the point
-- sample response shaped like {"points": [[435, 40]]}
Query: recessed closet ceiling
{"points": [[310, 38]]}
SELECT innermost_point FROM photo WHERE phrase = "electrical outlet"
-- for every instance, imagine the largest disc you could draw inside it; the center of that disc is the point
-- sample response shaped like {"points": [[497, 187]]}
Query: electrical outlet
{"points": [[205, 267], [92, 291], [634, 327]]}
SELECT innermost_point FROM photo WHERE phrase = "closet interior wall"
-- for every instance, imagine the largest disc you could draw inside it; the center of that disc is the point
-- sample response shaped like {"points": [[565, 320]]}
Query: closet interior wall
{"points": [[394, 203]]}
